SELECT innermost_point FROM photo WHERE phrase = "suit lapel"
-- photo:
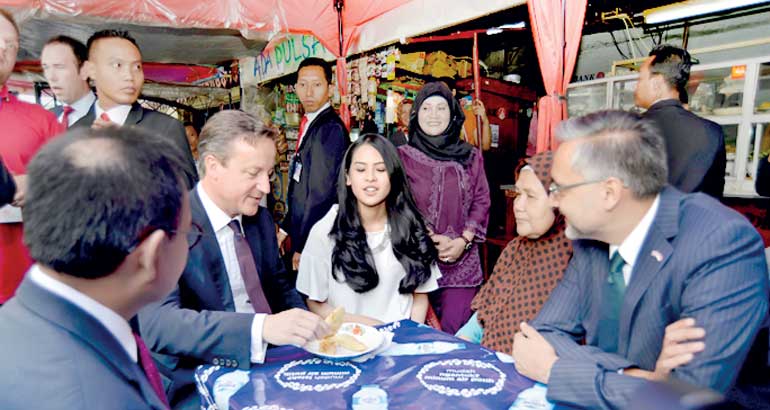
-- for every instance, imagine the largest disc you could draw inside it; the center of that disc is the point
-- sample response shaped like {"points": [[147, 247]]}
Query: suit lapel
{"points": [[88, 119], [653, 255], [135, 115], [309, 133], [211, 257], [62, 313]]}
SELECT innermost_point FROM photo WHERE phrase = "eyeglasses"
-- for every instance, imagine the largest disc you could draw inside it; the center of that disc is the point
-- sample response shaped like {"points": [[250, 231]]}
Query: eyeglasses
{"points": [[193, 236], [555, 189]]}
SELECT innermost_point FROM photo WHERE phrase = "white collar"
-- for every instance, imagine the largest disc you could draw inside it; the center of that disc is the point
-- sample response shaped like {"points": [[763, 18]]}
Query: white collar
{"points": [[117, 114], [630, 247], [312, 115], [113, 322], [218, 218], [84, 103]]}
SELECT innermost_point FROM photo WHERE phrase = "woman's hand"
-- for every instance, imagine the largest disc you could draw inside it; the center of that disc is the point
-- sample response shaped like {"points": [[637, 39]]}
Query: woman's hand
{"points": [[450, 251]]}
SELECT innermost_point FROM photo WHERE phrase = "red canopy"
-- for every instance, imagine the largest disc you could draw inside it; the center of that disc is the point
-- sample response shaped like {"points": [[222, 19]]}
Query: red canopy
{"points": [[317, 17]]}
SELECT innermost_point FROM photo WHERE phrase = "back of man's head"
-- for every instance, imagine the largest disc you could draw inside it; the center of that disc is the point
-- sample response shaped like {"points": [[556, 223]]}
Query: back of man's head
{"points": [[94, 195], [674, 64], [618, 144]]}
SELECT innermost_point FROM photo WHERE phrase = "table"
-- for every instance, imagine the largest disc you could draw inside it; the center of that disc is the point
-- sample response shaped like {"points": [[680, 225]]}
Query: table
{"points": [[464, 376]]}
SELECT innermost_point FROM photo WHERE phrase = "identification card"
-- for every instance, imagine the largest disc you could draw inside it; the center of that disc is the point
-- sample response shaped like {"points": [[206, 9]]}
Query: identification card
{"points": [[297, 171]]}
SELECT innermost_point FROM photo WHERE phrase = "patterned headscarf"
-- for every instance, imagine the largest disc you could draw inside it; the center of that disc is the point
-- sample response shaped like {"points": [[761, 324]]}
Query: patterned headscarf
{"points": [[524, 275]]}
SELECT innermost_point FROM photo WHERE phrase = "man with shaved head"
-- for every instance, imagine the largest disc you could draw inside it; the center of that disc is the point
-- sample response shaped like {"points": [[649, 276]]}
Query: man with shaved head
{"points": [[115, 66], [108, 222]]}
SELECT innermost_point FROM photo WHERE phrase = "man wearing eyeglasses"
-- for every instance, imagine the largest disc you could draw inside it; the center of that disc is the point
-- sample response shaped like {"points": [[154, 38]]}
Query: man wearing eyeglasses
{"points": [[106, 220], [24, 129], [661, 284], [235, 296]]}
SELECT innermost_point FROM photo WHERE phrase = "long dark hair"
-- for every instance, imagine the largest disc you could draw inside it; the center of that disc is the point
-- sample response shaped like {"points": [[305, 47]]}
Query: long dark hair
{"points": [[352, 260]]}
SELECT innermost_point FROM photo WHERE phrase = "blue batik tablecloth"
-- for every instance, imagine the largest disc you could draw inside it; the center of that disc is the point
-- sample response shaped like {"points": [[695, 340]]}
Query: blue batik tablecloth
{"points": [[465, 377]]}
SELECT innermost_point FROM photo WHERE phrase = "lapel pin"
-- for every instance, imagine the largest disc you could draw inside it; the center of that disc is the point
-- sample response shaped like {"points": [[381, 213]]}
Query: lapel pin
{"points": [[657, 255]]}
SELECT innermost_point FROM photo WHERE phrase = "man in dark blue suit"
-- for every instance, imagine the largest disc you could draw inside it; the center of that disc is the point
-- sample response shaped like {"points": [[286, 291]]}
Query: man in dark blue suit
{"points": [[645, 256], [234, 297], [115, 66], [323, 140], [695, 146], [107, 220]]}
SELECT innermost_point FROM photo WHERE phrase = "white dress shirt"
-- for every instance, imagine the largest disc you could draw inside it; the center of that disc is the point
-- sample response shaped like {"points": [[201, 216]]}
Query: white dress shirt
{"points": [[631, 246], [226, 240], [117, 114], [311, 116], [79, 108], [113, 322]]}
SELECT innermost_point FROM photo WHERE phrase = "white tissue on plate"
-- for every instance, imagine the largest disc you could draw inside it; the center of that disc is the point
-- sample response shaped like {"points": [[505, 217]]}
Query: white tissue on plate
{"points": [[386, 342]]}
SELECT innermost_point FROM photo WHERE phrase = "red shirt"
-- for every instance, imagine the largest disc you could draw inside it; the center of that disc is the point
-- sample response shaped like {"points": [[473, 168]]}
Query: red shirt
{"points": [[24, 128]]}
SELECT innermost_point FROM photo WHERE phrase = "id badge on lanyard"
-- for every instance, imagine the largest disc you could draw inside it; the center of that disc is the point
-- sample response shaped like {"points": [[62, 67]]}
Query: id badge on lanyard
{"points": [[296, 168]]}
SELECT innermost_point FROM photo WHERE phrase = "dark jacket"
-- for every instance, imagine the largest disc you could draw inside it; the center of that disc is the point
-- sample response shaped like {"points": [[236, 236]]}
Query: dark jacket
{"points": [[762, 182], [7, 185], [318, 159], [695, 148], [58, 357], [197, 323], [159, 123]]}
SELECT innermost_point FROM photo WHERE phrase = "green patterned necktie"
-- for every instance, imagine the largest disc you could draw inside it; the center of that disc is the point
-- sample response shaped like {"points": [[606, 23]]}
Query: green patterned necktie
{"points": [[612, 303]]}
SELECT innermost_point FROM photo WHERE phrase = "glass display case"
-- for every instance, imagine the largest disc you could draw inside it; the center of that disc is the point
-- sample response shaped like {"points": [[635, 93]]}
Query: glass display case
{"points": [[734, 94]]}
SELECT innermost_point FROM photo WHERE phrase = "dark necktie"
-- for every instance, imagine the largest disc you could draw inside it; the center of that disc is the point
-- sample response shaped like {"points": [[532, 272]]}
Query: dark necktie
{"points": [[148, 366], [65, 118], [612, 298], [249, 270]]}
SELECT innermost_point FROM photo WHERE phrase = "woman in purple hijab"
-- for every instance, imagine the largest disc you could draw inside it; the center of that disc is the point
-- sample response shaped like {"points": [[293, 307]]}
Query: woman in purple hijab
{"points": [[450, 187]]}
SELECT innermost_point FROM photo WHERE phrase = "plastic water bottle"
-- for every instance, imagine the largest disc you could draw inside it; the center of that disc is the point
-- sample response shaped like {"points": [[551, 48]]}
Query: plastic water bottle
{"points": [[413, 349], [370, 397]]}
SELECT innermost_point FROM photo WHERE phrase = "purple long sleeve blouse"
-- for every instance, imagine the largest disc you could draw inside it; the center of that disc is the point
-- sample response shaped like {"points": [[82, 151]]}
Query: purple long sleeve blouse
{"points": [[452, 199]]}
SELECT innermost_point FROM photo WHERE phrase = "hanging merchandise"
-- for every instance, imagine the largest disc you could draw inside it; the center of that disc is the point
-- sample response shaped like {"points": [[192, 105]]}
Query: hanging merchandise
{"points": [[413, 62], [439, 64]]}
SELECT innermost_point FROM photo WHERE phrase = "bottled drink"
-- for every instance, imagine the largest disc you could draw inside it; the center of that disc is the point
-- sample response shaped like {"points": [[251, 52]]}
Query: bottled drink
{"points": [[370, 397], [412, 349]]}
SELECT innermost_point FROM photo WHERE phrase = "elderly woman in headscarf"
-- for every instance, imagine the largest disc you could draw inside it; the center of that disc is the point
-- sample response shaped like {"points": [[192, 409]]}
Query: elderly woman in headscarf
{"points": [[450, 187], [530, 266]]}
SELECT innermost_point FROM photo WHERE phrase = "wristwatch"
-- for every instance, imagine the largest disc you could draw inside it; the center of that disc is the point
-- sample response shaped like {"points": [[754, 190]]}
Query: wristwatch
{"points": [[468, 244]]}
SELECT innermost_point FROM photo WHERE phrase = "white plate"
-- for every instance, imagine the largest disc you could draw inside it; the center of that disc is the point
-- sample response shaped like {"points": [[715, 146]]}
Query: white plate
{"points": [[369, 336]]}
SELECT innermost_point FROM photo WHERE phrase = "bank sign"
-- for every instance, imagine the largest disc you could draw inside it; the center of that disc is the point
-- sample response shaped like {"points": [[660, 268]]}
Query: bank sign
{"points": [[282, 59]]}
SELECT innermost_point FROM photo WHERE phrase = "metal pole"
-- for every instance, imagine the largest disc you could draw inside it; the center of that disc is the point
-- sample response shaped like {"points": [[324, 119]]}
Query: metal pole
{"points": [[338, 5], [477, 85]]}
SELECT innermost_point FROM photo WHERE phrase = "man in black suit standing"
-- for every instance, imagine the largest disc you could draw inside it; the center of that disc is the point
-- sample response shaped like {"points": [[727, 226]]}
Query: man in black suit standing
{"points": [[322, 142], [62, 60], [234, 296], [695, 146], [115, 65]]}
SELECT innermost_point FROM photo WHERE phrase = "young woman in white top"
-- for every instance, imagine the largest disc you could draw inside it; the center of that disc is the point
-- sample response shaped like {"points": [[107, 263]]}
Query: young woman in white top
{"points": [[372, 254]]}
